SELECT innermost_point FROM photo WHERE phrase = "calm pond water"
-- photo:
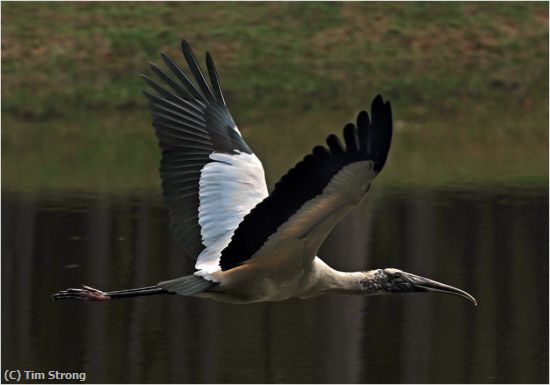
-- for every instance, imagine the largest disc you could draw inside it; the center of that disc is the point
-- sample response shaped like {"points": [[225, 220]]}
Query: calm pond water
{"points": [[492, 243]]}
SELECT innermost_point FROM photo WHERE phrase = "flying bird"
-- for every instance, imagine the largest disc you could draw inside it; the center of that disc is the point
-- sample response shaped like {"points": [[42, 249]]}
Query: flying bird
{"points": [[249, 245]]}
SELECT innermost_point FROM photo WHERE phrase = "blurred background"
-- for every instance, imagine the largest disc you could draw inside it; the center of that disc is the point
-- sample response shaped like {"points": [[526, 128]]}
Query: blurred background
{"points": [[463, 197]]}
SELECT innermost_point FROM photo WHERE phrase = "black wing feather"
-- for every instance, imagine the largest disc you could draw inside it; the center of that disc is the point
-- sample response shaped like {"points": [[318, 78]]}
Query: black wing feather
{"points": [[350, 136], [214, 79], [369, 141], [196, 71]]}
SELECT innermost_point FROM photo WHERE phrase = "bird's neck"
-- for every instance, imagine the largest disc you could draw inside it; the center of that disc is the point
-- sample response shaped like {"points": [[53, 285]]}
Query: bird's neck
{"points": [[334, 281]]}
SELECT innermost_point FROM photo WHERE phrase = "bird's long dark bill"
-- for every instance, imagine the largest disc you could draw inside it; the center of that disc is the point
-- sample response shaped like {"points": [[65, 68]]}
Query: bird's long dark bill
{"points": [[428, 285]]}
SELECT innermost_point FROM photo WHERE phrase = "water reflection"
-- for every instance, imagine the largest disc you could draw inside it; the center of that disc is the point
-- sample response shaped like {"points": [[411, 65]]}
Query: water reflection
{"points": [[490, 243]]}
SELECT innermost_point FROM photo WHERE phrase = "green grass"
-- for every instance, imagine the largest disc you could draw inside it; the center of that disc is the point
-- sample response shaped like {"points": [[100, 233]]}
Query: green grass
{"points": [[468, 83]]}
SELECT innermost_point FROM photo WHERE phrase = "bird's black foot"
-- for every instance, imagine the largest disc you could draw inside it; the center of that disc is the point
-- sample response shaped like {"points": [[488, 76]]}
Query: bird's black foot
{"points": [[85, 294]]}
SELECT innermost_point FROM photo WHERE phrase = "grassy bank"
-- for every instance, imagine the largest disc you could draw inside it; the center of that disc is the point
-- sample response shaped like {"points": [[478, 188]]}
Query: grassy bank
{"points": [[468, 82]]}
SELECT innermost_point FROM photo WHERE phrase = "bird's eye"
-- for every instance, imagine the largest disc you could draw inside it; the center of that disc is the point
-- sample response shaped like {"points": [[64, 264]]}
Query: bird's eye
{"points": [[397, 276]]}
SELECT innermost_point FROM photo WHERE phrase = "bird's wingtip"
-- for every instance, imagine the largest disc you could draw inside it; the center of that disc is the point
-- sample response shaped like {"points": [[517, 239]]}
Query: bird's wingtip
{"points": [[185, 46]]}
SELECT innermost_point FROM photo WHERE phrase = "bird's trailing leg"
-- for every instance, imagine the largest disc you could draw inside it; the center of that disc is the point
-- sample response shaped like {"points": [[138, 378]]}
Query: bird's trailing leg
{"points": [[87, 293]]}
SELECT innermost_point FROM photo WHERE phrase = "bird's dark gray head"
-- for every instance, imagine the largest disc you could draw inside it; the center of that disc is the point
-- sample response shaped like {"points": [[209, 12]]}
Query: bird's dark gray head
{"points": [[390, 280]]}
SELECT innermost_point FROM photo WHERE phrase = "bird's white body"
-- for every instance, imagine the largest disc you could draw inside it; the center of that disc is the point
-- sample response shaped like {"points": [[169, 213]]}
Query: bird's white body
{"points": [[269, 282]]}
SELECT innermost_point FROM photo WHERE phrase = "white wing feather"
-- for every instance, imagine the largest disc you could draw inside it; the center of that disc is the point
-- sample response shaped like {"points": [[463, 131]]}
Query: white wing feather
{"points": [[229, 188]]}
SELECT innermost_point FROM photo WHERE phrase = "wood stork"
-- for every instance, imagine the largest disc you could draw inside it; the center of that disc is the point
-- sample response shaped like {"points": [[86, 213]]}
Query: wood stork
{"points": [[249, 245]]}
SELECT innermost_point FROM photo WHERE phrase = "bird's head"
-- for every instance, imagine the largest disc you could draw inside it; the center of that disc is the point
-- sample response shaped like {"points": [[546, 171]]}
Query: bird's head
{"points": [[390, 280]]}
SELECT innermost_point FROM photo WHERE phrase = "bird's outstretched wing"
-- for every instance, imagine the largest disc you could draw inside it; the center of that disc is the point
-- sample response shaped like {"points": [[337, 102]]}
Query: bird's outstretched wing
{"points": [[210, 177], [314, 195]]}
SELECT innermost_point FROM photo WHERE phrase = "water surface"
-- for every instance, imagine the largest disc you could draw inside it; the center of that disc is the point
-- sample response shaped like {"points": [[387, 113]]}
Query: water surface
{"points": [[490, 242]]}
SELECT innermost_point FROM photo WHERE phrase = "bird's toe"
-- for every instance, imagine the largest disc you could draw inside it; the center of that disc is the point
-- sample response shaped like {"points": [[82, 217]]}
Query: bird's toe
{"points": [[85, 294]]}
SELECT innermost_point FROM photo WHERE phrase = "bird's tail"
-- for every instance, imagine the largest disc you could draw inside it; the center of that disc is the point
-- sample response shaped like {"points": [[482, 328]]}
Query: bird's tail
{"points": [[188, 285]]}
